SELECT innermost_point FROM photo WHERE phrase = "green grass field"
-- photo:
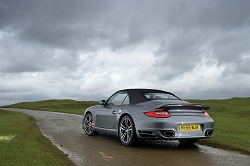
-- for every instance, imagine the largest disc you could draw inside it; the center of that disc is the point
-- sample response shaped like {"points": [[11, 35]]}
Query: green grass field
{"points": [[21, 143], [231, 116]]}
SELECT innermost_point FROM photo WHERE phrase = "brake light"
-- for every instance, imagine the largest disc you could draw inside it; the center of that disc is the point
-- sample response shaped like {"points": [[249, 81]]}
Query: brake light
{"points": [[158, 114], [206, 114]]}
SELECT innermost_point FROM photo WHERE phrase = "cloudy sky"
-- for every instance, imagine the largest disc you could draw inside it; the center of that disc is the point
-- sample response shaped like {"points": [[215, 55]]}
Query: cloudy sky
{"points": [[88, 49]]}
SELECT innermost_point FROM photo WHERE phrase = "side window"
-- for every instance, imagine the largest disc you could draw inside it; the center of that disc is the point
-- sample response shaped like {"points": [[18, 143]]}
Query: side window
{"points": [[126, 100], [119, 99]]}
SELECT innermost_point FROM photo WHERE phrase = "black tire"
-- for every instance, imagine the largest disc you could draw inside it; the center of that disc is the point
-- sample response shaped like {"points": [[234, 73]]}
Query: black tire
{"points": [[126, 131], [88, 125], [188, 141]]}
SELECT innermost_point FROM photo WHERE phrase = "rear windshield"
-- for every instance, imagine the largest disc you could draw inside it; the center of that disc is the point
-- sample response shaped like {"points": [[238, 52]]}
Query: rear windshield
{"points": [[160, 96]]}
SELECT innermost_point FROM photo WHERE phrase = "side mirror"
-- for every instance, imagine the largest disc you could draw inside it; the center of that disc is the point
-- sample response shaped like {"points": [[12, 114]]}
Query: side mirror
{"points": [[102, 102]]}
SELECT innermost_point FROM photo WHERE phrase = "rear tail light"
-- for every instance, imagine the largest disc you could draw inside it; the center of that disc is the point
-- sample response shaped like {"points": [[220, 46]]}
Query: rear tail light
{"points": [[158, 114], [206, 114]]}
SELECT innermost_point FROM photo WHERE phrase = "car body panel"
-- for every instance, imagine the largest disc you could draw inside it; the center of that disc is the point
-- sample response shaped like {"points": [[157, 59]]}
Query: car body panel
{"points": [[106, 116]]}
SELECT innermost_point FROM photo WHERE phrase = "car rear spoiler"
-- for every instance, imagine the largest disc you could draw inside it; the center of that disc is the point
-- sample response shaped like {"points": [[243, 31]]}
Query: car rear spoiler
{"points": [[186, 106]]}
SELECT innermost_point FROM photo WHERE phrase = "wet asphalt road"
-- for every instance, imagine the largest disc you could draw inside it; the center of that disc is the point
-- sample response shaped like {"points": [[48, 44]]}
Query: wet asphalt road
{"points": [[64, 130]]}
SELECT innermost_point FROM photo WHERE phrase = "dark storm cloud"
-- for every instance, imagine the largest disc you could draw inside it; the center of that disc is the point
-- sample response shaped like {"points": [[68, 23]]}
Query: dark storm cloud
{"points": [[180, 54], [232, 45], [222, 15], [95, 24], [219, 26], [24, 58], [67, 25], [56, 48], [60, 24]]}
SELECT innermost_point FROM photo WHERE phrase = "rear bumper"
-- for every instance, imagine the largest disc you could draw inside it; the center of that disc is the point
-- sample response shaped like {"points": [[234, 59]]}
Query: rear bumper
{"points": [[167, 128], [171, 135]]}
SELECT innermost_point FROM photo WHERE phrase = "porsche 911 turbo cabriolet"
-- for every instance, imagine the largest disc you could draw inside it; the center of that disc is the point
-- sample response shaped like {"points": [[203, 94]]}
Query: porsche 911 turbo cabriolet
{"points": [[137, 114]]}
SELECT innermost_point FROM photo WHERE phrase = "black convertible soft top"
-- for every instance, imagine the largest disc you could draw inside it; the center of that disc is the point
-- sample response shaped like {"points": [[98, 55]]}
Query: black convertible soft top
{"points": [[137, 95]]}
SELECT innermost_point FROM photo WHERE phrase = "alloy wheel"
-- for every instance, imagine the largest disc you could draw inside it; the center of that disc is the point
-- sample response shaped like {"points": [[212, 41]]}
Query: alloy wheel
{"points": [[89, 125], [126, 131]]}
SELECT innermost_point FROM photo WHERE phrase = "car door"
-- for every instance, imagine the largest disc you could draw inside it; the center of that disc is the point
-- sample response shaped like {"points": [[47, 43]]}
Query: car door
{"points": [[107, 114]]}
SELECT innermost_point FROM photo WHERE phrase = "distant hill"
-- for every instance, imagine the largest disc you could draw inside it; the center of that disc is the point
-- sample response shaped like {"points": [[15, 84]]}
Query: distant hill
{"points": [[67, 105]]}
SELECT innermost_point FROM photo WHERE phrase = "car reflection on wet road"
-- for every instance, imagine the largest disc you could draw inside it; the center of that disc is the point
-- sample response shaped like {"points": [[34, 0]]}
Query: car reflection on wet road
{"points": [[64, 130]]}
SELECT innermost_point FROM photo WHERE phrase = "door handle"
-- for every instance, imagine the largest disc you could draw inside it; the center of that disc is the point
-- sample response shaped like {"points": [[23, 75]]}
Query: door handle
{"points": [[113, 112]]}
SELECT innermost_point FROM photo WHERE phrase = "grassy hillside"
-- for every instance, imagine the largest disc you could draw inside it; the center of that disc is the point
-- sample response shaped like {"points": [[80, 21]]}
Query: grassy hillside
{"points": [[66, 106], [231, 116], [232, 123]]}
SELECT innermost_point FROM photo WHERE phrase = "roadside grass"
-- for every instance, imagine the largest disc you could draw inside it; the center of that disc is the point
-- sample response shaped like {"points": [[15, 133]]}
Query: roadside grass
{"points": [[21, 143], [231, 116]]}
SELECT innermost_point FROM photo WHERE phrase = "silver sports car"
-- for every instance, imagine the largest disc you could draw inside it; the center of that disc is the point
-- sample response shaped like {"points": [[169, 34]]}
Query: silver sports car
{"points": [[137, 114]]}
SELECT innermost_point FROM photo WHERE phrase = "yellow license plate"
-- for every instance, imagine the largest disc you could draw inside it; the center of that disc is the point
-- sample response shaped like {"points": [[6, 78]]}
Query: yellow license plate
{"points": [[189, 127]]}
